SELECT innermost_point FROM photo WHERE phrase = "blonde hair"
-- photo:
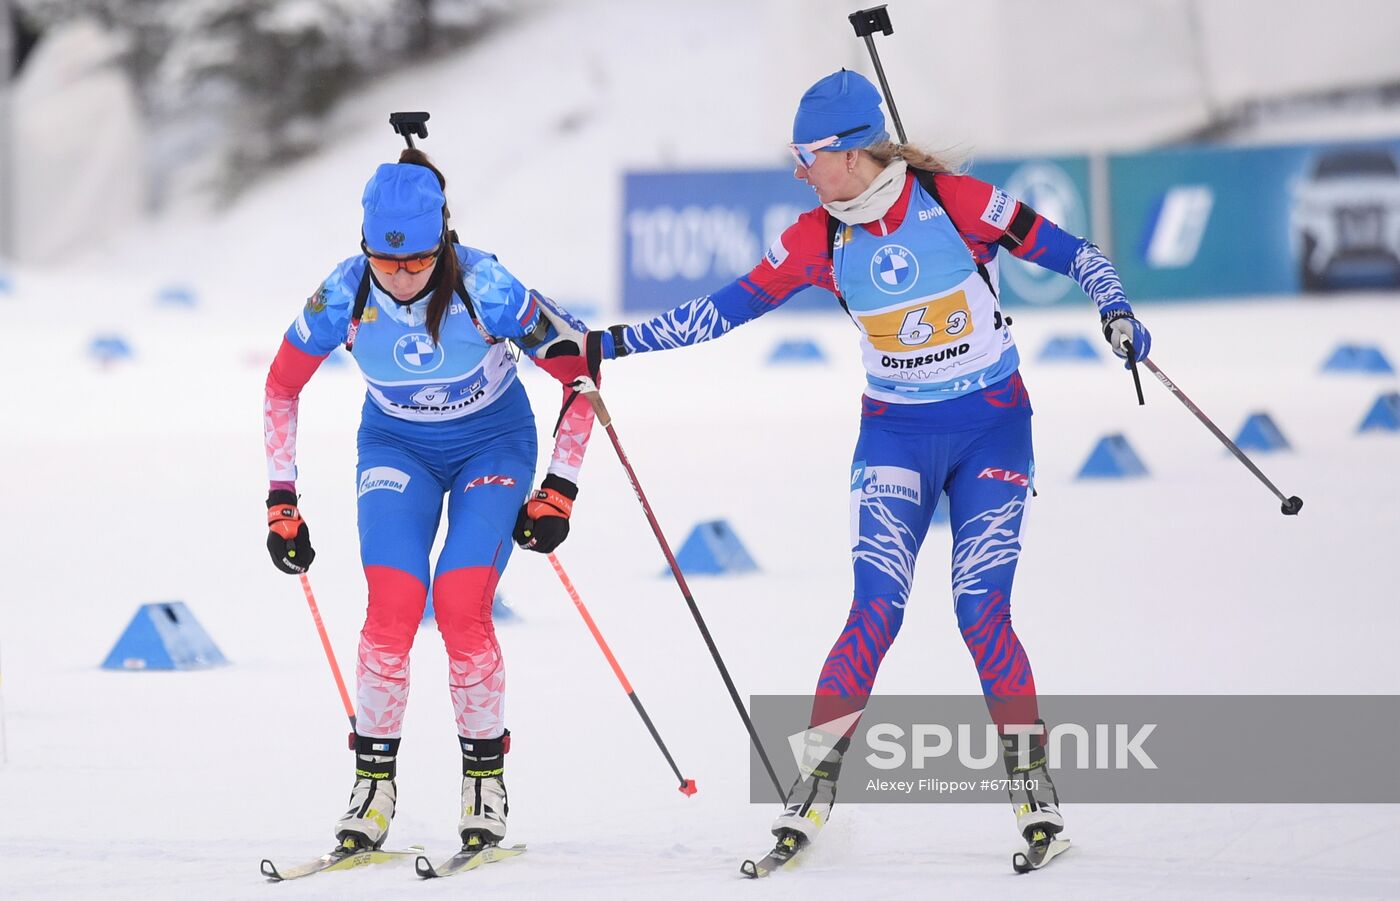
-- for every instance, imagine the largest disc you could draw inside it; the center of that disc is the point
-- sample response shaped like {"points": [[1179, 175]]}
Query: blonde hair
{"points": [[887, 152]]}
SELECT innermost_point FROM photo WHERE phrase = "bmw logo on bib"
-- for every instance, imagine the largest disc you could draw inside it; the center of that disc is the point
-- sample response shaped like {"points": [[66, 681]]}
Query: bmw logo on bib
{"points": [[894, 269], [416, 353]]}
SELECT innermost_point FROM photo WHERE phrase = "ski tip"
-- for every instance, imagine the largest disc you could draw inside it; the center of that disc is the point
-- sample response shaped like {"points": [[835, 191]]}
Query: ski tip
{"points": [[688, 787], [424, 867], [749, 869], [1021, 863], [269, 869]]}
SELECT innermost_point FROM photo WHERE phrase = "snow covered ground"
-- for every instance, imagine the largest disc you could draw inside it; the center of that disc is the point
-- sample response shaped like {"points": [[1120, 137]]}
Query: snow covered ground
{"points": [[143, 481], [146, 483]]}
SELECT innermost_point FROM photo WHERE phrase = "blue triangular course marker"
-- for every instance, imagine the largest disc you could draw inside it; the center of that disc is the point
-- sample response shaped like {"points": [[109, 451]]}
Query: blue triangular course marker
{"points": [[176, 296], [1384, 415], [1061, 348], [712, 548], [1357, 358], [164, 636], [797, 350], [107, 348], [501, 612], [1261, 434], [1112, 458]]}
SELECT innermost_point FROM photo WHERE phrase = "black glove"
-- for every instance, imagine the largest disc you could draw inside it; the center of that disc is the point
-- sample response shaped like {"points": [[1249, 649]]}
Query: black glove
{"points": [[288, 538], [543, 523]]}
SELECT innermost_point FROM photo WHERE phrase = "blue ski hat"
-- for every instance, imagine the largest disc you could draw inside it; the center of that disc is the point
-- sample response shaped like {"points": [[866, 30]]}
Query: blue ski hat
{"points": [[840, 102], [403, 209]]}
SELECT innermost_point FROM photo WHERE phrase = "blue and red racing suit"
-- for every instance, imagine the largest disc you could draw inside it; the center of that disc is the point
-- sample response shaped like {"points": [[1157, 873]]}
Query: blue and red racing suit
{"points": [[446, 419], [944, 408]]}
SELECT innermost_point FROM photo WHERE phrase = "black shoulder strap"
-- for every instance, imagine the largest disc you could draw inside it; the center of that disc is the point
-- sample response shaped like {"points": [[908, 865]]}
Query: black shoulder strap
{"points": [[471, 310], [833, 225], [361, 298], [486, 336]]}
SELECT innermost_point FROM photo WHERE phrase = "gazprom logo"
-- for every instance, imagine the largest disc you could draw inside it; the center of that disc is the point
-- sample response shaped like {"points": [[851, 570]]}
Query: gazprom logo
{"points": [[383, 477], [894, 269], [890, 481], [1174, 231], [416, 353]]}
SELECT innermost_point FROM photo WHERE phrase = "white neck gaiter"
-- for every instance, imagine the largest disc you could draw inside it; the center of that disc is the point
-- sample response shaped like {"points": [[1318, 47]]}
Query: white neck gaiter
{"points": [[875, 201]]}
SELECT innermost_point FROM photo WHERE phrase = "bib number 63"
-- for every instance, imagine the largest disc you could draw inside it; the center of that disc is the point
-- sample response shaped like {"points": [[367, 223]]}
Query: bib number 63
{"points": [[915, 332]]}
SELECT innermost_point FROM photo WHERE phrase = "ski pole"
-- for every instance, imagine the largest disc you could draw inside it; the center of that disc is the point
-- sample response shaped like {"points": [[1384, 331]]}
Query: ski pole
{"points": [[330, 655], [1291, 505], [687, 785], [1132, 364], [1131, 356], [866, 22], [587, 387]]}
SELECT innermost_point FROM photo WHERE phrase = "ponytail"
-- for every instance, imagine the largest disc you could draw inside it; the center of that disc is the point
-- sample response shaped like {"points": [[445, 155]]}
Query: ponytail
{"points": [[887, 152], [449, 272]]}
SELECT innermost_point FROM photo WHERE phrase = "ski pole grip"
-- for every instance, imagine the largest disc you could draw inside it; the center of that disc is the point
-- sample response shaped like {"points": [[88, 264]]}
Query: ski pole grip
{"points": [[587, 388]]}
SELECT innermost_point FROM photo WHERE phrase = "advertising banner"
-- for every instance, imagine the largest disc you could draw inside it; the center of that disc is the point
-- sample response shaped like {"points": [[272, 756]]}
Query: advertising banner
{"points": [[1057, 188], [685, 234], [1185, 224], [1225, 222]]}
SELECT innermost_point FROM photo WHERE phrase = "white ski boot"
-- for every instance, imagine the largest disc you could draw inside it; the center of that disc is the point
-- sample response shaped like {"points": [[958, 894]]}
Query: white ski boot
{"points": [[1033, 796], [366, 824], [809, 801], [484, 801]]}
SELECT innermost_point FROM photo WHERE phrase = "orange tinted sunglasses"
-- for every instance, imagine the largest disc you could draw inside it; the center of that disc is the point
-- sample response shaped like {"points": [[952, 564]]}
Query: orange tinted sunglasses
{"points": [[411, 265]]}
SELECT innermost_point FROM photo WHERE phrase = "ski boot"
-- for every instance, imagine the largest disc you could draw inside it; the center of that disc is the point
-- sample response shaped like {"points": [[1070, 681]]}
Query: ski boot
{"points": [[1034, 801], [366, 824], [808, 804], [484, 801]]}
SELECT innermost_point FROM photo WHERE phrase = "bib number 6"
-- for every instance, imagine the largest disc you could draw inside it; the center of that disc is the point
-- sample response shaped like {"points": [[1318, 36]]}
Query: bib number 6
{"points": [[914, 332], [431, 396]]}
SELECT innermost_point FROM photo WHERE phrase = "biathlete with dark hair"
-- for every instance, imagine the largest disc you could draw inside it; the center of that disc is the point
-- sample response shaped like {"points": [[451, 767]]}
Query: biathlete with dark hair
{"points": [[430, 323], [911, 250]]}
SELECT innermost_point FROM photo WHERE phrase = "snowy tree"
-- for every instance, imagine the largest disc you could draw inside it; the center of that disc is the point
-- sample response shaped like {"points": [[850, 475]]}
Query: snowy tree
{"points": [[230, 86]]}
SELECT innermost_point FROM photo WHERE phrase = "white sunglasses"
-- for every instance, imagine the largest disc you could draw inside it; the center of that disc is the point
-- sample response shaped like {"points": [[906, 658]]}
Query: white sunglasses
{"points": [[806, 154]]}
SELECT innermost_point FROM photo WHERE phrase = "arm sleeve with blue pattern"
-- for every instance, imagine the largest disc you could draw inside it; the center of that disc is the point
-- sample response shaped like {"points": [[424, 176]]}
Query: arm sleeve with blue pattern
{"points": [[704, 318], [1099, 280]]}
